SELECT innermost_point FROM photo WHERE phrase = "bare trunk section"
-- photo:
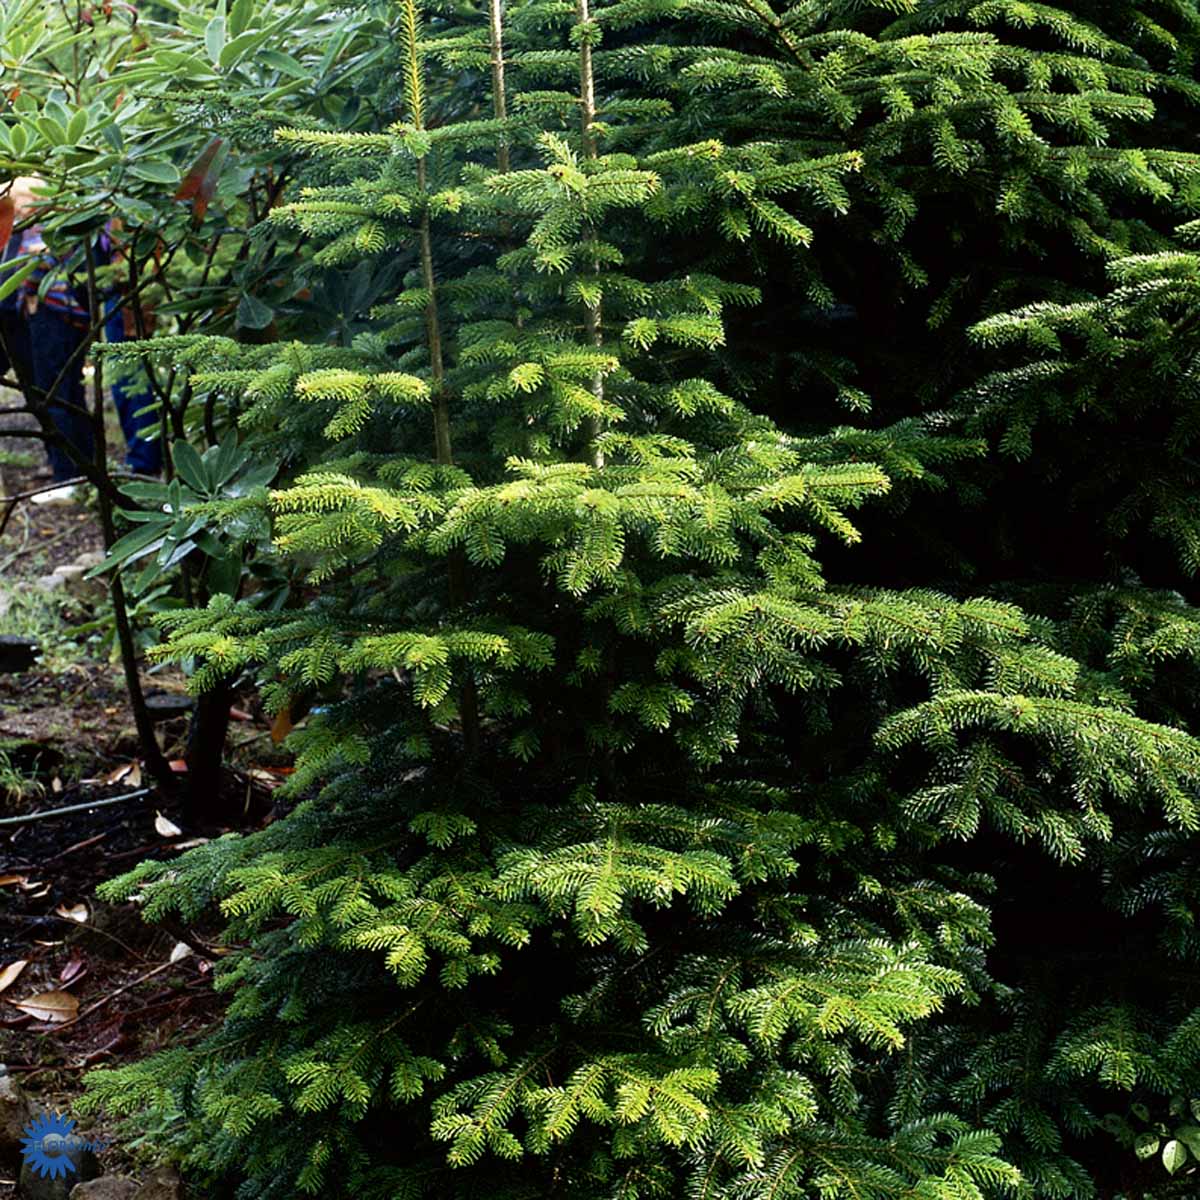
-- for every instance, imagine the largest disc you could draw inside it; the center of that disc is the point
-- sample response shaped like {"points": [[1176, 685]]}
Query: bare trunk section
{"points": [[206, 753], [592, 317], [499, 97]]}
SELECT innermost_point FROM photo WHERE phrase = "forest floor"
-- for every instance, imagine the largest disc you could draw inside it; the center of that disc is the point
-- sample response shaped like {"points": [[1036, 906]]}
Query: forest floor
{"points": [[82, 983]]}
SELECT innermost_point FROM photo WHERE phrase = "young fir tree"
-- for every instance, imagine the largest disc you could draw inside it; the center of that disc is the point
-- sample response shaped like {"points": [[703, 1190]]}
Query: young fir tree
{"points": [[624, 859]]}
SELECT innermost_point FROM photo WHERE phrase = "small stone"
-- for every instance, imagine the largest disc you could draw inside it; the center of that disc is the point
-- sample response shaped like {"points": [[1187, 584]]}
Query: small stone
{"points": [[49, 583], [76, 584], [35, 1186], [15, 1113], [68, 493], [107, 1187], [89, 559], [163, 1183]]}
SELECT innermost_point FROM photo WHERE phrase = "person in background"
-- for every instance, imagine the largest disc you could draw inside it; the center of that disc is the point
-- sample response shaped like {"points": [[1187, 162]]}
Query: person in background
{"points": [[14, 332], [133, 398], [57, 324], [44, 334]]}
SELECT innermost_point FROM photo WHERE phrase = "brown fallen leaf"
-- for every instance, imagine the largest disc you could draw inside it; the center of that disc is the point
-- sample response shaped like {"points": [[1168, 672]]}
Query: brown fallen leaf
{"points": [[9, 880], [9, 973], [282, 725], [191, 843], [114, 1038], [28, 885], [72, 970], [77, 912], [38, 895], [54, 1007], [266, 776], [130, 773], [165, 827]]}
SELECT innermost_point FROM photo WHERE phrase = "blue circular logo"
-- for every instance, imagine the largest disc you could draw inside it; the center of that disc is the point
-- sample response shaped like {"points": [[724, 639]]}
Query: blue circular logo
{"points": [[45, 1145]]}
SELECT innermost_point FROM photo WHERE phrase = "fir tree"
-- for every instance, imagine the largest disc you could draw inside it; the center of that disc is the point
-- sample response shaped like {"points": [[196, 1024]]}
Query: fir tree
{"points": [[632, 847]]}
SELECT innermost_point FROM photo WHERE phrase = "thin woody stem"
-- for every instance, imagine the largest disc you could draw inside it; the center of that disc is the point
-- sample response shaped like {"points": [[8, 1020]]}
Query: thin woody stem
{"points": [[433, 331], [587, 81], [592, 316], [148, 739], [433, 327], [499, 98]]}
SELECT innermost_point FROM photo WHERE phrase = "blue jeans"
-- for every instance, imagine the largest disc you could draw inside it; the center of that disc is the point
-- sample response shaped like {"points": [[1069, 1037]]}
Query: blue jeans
{"points": [[141, 455], [40, 347], [52, 341]]}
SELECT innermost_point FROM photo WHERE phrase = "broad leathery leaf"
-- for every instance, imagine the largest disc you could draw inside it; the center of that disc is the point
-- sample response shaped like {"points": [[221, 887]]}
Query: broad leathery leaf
{"points": [[9, 973], [77, 126], [252, 313], [283, 62], [214, 39], [189, 466], [126, 549], [241, 47], [1174, 1155], [178, 552], [51, 130], [1189, 1135], [240, 16], [258, 477], [1146, 1145], [224, 573], [145, 492], [54, 1007], [155, 170], [223, 461]]}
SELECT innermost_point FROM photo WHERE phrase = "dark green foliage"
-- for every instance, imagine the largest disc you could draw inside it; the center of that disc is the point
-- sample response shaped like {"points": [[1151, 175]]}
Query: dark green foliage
{"points": [[660, 834]]}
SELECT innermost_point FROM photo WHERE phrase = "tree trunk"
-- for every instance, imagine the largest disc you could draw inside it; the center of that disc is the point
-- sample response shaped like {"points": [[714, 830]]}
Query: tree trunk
{"points": [[206, 754]]}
